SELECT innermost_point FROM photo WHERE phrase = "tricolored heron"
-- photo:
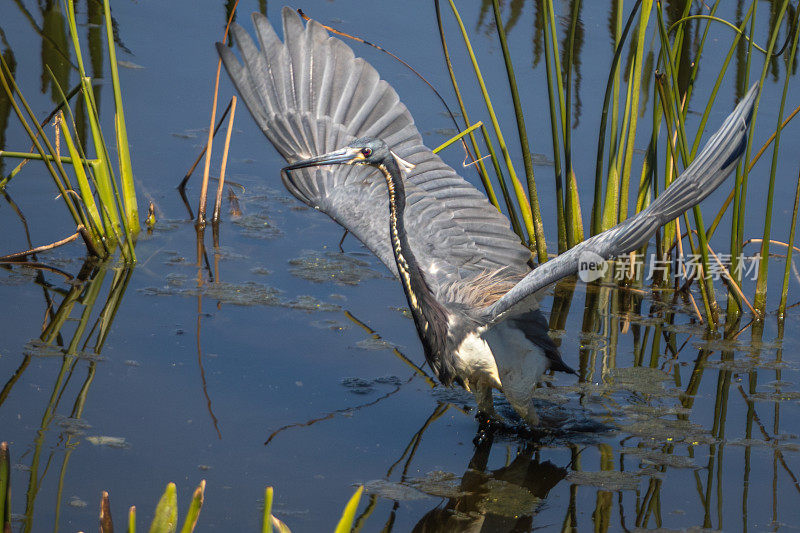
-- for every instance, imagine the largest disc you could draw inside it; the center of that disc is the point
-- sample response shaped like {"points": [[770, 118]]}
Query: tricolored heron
{"points": [[464, 272]]}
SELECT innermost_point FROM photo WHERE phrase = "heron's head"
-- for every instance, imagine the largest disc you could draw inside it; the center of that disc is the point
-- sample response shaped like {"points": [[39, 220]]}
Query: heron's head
{"points": [[363, 151]]}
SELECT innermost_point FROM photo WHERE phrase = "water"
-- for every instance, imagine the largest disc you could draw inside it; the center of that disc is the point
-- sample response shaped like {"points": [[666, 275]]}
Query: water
{"points": [[308, 348]]}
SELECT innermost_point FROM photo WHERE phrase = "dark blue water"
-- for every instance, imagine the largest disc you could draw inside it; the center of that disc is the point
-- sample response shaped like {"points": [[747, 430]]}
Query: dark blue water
{"points": [[194, 376]]}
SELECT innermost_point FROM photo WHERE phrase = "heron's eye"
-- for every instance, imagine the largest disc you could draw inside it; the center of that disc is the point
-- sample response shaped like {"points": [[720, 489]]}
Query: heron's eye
{"points": [[366, 152]]}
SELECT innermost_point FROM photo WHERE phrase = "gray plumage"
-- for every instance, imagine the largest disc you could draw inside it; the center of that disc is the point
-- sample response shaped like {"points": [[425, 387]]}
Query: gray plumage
{"points": [[465, 273]]}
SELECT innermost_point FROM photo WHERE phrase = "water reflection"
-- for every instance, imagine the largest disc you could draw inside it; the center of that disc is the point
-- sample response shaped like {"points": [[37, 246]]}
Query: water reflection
{"points": [[650, 375], [697, 431], [503, 499], [78, 315]]}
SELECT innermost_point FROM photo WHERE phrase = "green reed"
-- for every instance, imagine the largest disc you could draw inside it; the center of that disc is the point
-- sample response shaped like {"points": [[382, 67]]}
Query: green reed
{"points": [[109, 218], [760, 300], [5, 487], [518, 114], [645, 44], [166, 520], [530, 210]]}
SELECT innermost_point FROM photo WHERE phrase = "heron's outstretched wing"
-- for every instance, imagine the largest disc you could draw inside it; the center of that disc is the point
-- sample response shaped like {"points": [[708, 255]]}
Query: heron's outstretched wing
{"points": [[310, 96], [710, 168]]}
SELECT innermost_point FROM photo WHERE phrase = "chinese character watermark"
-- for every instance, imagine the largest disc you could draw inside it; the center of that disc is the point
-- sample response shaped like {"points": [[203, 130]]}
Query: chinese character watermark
{"points": [[592, 266]]}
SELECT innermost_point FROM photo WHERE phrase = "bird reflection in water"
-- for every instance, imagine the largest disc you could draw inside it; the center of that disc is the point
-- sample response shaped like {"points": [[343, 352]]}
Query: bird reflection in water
{"points": [[504, 499]]}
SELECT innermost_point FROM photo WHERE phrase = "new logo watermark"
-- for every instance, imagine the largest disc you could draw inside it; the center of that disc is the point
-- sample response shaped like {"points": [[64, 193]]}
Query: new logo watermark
{"points": [[591, 266]]}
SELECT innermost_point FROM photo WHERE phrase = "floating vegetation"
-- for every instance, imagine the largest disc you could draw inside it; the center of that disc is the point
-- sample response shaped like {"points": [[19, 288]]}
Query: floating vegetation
{"points": [[774, 444], [258, 225], [390, 490], [245, 294], [656, 411], [17, 276], [72, 426], [260, 271], [642, 380], [658, 458], [438, 483], [609, 480], [333, 325], [76, 502], [375, 344], [507, 499], [748, 363], [334, 267], [110, 442], [405, 311], [367, 386], [776, 396], [661, 431]]}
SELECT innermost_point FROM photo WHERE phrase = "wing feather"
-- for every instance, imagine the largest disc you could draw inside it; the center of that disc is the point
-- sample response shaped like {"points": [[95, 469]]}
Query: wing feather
{"points": [[311, 95], [708, 170]]}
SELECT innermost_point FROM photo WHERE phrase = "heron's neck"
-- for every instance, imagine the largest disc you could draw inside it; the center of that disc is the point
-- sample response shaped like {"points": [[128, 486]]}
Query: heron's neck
{"points": [[429, 315]]}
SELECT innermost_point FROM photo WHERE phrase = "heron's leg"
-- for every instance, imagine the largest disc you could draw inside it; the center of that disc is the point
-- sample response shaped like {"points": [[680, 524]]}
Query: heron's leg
{"points": [[342, 240], [525, 409], [483, 397], [531, 417]]}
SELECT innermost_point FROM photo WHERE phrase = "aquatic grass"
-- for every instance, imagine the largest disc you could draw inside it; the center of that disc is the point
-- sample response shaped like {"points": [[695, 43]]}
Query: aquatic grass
{"points": [[166, 517], [706, 288], [487, 185], [611, 91], [739, 189], [518, 114], [789, 250], [632, 110], [106, 522], [501, 180], [12, 92], [679, 61], [201, 210], [457, 137], [615, 207], [224, 164], [760, 300], [5, 487], [96, 204], [674, 110], [113, 206], [530, 213], [265, 521], [555, 132], [572, 204], [123, 151], [345, 524]]}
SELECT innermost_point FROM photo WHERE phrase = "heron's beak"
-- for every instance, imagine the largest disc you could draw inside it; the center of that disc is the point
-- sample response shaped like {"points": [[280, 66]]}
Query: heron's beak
{"points": [[345, 156]]}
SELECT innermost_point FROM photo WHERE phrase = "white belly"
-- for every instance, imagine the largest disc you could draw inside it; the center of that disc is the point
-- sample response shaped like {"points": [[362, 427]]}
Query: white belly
{"points": [[519, 364], [478, 362]]}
